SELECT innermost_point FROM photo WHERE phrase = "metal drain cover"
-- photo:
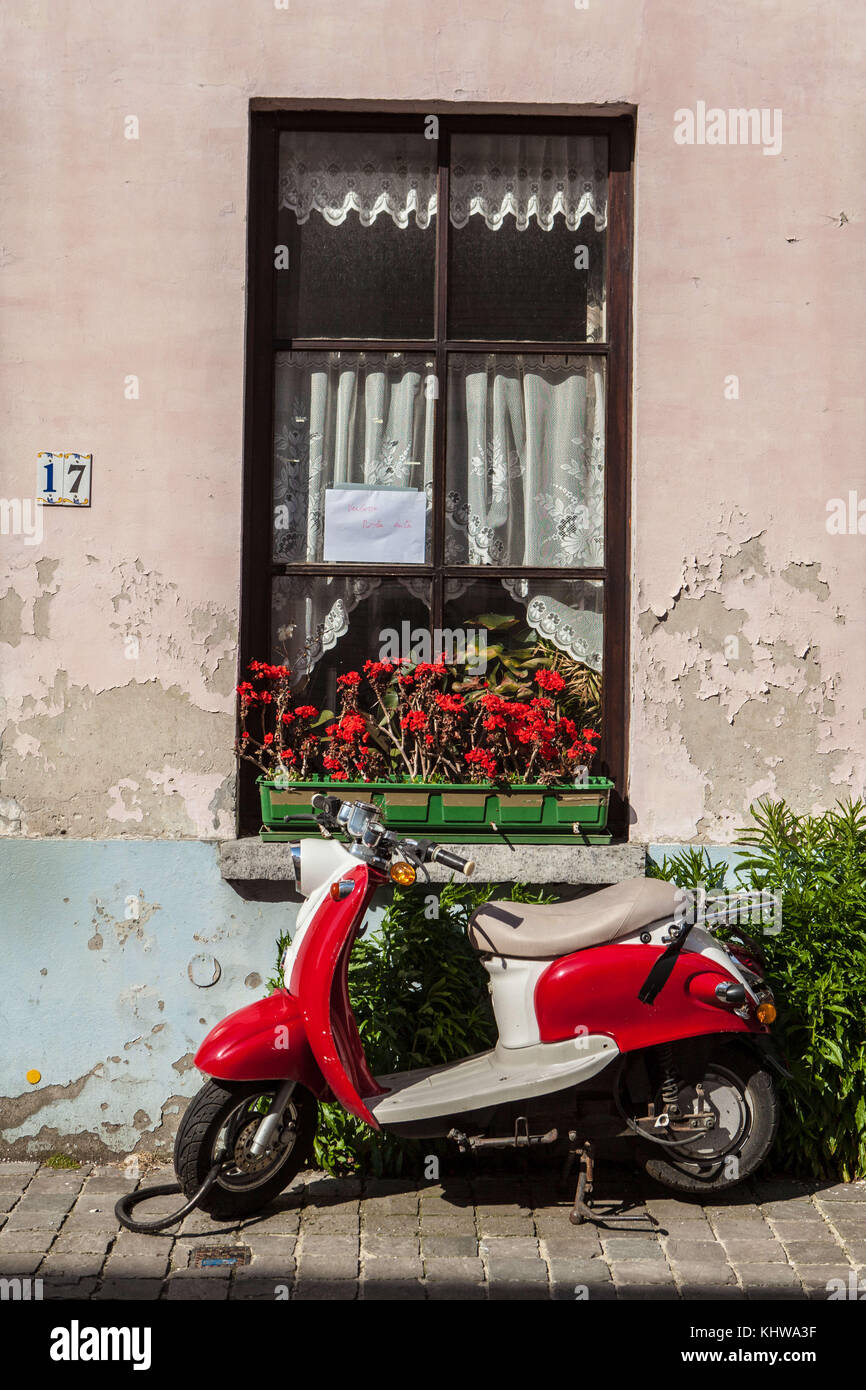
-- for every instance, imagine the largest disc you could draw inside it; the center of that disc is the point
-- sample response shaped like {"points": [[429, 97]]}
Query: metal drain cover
{"points": [[211, 1256]]}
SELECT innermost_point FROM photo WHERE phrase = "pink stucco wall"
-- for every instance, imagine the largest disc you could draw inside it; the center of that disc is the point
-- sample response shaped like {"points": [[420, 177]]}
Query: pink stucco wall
{"points": [[126, 258]]}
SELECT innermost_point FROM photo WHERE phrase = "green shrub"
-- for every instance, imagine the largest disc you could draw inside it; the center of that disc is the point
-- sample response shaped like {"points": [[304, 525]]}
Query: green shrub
{"points": [[816, 966], [420, 998]]}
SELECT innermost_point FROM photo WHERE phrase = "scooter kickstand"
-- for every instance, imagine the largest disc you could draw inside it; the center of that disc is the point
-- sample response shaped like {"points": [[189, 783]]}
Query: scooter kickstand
{"points": [[580, 1212]]}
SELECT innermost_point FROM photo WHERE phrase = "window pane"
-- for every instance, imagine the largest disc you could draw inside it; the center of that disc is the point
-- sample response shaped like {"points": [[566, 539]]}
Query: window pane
{"points": [[357, 228], [514, 623], [525, 462], [323, 626], [528, 217], [351, 421]]}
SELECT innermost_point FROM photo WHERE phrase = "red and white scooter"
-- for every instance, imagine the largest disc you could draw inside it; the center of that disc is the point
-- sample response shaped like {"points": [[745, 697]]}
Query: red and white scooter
{"points": [[616, 1018]]}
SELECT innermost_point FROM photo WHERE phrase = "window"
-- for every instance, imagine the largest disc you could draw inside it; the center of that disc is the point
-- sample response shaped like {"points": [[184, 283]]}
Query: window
{"points": [[439, 336]]}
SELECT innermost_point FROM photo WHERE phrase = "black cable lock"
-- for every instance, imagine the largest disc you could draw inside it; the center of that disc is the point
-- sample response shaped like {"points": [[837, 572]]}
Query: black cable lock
{"points": [[663, 968]]}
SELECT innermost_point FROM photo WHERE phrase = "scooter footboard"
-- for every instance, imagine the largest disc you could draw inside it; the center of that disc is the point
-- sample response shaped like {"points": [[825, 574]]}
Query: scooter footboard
{"points": [[263, 1041]]}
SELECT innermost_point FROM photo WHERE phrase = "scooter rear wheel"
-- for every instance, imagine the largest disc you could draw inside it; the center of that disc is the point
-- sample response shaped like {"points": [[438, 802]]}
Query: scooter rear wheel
{"points": [[220, 1122], [740, 1090]]}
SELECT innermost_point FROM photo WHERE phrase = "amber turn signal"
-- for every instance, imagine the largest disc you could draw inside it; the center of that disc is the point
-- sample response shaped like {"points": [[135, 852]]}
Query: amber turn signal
{"points": [[402, 873], [766, 1012]]}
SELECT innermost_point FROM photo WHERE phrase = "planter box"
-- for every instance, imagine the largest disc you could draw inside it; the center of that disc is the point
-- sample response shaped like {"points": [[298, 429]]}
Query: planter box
{"points": [[467, 812]]}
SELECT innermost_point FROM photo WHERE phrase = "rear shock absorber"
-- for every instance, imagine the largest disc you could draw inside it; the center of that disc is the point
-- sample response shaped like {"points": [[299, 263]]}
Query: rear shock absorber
{"points": [[670, 1082]]}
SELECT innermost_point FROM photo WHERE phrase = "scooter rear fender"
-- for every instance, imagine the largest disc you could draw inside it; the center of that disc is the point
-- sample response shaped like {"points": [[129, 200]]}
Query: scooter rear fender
{"points": [[264, 1041]]}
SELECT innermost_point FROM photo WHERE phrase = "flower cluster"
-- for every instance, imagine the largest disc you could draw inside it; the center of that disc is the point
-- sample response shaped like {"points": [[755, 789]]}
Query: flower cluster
{"points": [[402, 722]]}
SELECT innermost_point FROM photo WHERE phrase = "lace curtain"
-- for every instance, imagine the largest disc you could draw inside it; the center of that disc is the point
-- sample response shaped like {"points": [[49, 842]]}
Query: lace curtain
{"points": [[525, 435], [530, 177]]}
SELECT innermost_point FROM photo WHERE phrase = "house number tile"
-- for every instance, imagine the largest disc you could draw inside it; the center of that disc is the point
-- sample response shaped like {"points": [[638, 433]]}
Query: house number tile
{"points": [[63, 480]]}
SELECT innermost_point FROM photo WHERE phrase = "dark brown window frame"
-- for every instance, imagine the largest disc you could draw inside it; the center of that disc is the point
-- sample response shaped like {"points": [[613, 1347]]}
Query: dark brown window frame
{"points": [[262, 343]]}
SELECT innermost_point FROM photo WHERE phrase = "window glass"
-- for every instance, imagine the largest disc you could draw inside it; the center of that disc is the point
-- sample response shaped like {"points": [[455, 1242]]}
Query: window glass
{"points": [[357, 235], [358, 426], [527, 237], [525, 460]]}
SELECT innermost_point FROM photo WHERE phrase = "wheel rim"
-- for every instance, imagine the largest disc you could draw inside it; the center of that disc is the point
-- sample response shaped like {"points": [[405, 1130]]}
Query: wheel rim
{"points": [[241, 1170], [726, 1096]]}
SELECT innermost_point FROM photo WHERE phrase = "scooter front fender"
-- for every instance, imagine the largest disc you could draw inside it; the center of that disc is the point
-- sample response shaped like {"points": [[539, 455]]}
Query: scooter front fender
{"points": [[263, 1041]]}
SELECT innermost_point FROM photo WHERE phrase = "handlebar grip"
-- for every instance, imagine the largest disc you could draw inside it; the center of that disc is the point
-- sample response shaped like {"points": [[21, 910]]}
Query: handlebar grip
{"points": [[453, 861]]}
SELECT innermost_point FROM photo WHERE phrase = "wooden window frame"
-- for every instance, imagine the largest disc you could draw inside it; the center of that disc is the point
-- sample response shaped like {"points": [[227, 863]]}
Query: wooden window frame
{"points": [[263, 342]]}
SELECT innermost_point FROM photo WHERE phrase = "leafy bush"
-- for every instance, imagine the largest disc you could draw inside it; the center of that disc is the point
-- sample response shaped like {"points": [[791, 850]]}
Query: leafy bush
{"points": [[816, 966], [420, 998]]}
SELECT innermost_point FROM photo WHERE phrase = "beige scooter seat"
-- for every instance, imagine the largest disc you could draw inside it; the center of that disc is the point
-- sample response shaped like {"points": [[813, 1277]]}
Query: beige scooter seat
{"points": [[544, 931]]}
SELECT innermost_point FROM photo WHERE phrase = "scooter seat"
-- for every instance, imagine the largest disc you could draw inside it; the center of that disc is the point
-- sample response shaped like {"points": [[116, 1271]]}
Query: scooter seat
{"points": [[545, 931]]}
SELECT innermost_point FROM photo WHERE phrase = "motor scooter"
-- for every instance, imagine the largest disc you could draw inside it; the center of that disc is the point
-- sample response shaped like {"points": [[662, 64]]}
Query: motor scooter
{"points": [[617, 1018]]}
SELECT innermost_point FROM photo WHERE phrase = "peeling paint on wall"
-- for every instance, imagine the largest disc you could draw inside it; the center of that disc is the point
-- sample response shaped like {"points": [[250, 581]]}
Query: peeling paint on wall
{"points": [[742, 674]]}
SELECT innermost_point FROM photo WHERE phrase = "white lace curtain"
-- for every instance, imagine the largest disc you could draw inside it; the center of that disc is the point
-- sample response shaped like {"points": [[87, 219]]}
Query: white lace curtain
{"points": [[494, 176], [525, 470], [525, 473]]}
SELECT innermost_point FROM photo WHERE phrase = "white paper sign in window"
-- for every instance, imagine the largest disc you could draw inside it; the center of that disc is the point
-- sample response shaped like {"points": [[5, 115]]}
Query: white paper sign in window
{"points": [[375, 525]]}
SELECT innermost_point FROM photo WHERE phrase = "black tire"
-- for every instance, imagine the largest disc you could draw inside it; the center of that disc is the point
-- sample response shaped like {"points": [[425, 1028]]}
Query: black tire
{"points": [[224, 1111], [698, 1173]]}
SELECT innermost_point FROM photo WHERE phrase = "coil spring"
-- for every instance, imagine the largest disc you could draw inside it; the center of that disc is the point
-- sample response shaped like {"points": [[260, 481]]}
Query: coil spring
{"points": [[670, 1088]]}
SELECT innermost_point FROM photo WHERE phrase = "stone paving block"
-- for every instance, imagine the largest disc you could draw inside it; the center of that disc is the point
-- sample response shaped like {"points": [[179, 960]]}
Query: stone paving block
{"points": [[14, 1241], [17, 1172], [401, 1290], [83, 1289], [136, 1266], [132, 1290], [641, 1272], [326, 1290], [390, 1247], [385, 1224], [702, 1272], [695, 1251], [259, 1289], [443, 1291], [509, 1247], [581, 1241], [395, 1268], [755, 1252], [33, 1221], [764, 1276], [8, 1199], [335, 1267], [563, 1267], [814, 1252], [20, 1264], [405, 1204], [329, 1223], [82, 1242], [448, 1247], [72, 1266], [842, 1192], [506, 1225], [579, 1291], [457, 1270], [196, 1289], [623, 1248], [524, 1271], [711, 1293]]}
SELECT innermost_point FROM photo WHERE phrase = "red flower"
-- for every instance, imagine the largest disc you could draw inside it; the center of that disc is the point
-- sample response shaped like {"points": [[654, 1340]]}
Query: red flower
{"points": [[550, 680], [350, 678], [415, 720], [306, 711], [268, 740]]}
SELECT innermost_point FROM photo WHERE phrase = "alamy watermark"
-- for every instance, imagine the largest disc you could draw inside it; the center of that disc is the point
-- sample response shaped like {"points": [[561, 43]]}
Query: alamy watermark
{"points": [[712, 125], [21, 516]]}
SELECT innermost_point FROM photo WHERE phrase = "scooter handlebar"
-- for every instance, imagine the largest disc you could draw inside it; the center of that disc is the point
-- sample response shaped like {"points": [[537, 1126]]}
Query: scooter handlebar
{"points": [[453, 861]]}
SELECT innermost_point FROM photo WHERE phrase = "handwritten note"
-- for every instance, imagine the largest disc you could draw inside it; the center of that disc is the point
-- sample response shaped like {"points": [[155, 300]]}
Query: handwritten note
{"points": [[375, 524]]}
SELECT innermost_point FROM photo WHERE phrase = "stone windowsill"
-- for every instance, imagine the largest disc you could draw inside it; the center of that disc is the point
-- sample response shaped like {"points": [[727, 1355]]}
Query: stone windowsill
{"points": [[251, 860]]}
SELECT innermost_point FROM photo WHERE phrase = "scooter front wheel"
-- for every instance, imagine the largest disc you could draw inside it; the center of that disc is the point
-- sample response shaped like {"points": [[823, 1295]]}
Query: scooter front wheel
{"points": [[219, 1126]]}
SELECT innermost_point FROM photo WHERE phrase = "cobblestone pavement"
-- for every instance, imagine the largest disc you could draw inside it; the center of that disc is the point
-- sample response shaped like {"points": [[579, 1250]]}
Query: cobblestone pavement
{"points": [[469, 1238]]}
